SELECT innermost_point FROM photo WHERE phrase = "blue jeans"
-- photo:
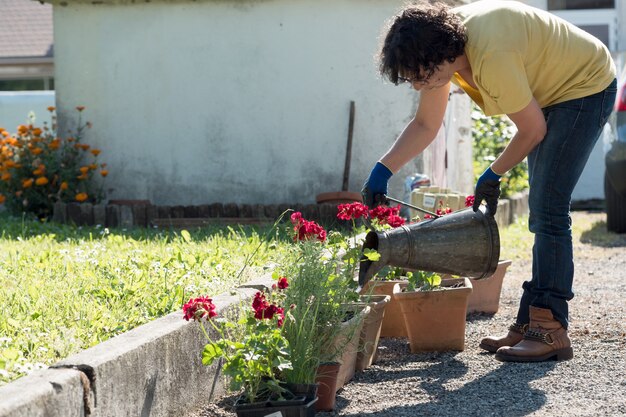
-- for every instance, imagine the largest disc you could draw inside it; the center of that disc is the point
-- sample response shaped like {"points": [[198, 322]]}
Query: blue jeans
{"points": [[554, 168]]}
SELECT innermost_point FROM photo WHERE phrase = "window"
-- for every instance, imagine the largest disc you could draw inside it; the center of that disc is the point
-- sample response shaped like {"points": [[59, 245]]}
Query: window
{"points": [[27, 84], [580, 4]]}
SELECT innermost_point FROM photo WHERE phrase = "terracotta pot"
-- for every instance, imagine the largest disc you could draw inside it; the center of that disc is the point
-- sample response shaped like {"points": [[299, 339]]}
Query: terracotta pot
{"points": [[339, 197], [435, 320], [393, 321], [485, 296], [351, 347], [368, 343], [326, 379]]}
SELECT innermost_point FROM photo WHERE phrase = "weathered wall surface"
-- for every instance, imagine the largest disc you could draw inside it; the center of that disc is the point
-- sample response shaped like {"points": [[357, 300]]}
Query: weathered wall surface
{"points": [[224, 101]]}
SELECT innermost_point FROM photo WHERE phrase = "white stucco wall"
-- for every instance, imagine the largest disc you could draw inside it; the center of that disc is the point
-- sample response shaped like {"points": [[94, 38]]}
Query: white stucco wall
{"points": [[230, 101]]}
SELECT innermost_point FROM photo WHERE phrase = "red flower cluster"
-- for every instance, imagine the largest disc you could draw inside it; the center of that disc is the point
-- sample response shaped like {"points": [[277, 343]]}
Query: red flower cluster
{"points": [[469, 201], [305, 229], [199, 307], [350, 211], [387, 215], [264, 310]]}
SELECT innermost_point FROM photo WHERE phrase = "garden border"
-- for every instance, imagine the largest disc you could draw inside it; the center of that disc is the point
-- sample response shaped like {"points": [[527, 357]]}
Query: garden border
{"points": [[152, 370], [141, 213]]}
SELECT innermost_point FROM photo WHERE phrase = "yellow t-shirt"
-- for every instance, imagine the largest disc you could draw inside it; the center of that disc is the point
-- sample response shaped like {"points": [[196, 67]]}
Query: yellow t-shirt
{"points": [[517, 52]]}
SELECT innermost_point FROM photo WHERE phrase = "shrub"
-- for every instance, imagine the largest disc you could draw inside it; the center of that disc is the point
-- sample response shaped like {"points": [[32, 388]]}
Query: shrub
{"points": [[38, 168], [490, 136]]}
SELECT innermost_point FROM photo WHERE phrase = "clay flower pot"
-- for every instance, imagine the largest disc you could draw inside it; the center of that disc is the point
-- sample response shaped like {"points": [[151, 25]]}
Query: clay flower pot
{"points": [[485, 296], [353, 328], [435, 320], [326, 379], [370, 335], [393, 320]]}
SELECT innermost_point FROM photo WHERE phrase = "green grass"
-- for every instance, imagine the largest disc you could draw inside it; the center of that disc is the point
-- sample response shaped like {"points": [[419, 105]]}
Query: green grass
{"points": [[516, 242], [64, 289]]}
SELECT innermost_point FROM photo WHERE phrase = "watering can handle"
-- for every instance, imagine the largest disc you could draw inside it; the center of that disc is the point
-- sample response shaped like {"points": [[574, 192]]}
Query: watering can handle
{"points": [[435, 215]]}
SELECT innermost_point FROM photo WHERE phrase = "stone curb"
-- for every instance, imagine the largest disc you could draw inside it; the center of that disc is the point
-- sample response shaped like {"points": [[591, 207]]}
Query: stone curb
{"points": [[152, 370]]}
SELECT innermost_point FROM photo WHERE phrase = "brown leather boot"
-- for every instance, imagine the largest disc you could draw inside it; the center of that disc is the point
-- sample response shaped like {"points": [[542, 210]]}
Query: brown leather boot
{"points": [[515, 335], [544, 340]]}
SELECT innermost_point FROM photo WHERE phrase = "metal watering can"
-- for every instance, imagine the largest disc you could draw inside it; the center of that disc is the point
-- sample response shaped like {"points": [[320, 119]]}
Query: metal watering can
{"points": [[464, 242]]}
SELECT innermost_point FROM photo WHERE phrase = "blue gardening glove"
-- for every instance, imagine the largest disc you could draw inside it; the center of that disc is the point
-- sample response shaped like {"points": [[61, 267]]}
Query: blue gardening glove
{"points": [[488, 189], [375, 188]]}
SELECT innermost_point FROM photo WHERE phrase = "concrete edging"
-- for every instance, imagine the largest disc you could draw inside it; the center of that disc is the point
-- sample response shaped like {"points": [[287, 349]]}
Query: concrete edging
{"points": [[152, 370]]}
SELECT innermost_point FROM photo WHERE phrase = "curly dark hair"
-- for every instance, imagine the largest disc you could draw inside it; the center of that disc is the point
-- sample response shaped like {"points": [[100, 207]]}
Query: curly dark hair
{"points": [[419, 39]]}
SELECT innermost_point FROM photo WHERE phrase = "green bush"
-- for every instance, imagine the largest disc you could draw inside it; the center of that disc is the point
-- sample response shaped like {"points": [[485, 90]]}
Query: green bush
{"points": [[490, 136]]}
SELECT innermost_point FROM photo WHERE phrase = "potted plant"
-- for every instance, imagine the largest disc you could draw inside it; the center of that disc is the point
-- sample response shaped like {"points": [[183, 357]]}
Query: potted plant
{"points": [[434, 311], [256, 334], [320, 289]]}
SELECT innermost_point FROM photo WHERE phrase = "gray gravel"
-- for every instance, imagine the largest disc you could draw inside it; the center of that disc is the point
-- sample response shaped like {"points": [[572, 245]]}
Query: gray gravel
{"points": [[472, 382]]}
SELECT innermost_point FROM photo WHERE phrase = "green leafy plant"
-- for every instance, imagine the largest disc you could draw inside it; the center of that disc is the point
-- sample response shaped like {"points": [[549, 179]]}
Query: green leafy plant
{"points": [[38, 168], [491, 135], [423, 281], [254, 362]]}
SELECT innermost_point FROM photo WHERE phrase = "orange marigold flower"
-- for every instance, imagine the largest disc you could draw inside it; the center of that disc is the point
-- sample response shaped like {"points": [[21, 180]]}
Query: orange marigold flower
{"points": [[51, 109], [93, 166], [80, 197], [84, 146], [2, 198], [96, 152], [41, 181], [9, 164], [21, 129], [82, 177], [80, 108], [37, 131], [26, 183], [54, 145], [36, 151], [70, 140], [64, 185], [6, 176], [104, 172], [5, 133], [84, 170], [39, 172]]}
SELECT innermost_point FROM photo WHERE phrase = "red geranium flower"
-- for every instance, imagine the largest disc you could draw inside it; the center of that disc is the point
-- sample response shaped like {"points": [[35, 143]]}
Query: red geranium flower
{"points": [[350, 211], [387, 215], [282, 283], [199, 307], [305, 229], [469, 201]]}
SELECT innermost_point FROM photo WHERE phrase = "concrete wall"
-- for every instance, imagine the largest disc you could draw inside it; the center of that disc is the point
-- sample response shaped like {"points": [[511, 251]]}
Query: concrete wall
{"points": [[16, 106], [230, 101]]}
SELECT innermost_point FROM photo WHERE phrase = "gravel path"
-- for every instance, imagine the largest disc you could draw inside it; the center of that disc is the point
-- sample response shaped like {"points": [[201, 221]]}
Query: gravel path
{"points": [[473, 383]]}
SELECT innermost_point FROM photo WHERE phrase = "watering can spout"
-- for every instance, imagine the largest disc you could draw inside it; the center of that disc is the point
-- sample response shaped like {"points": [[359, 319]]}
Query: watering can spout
{"points": [[464, 242]]}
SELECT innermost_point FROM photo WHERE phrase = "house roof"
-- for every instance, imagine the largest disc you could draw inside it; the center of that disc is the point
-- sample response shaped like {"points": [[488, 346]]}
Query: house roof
{"points": [[25, 30]]}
